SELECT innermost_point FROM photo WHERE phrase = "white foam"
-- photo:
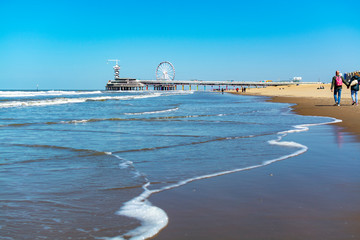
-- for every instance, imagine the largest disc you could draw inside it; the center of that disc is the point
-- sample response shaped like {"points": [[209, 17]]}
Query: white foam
{"points": [[153, 219], [14, 94], [128, 97], [46, 102], [137, 174], [58, 101], [285, 144], [125, 164], [77, 121], [154, 112], [179, 92], [128, 164]]}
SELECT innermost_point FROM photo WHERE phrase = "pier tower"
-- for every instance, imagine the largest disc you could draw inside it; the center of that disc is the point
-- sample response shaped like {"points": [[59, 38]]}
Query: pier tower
{"points": [[122, 84]]}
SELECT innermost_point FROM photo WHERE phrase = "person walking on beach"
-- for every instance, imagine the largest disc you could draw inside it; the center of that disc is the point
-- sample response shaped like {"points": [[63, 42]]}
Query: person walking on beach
{"points": [[354, 84], [336, 84]]}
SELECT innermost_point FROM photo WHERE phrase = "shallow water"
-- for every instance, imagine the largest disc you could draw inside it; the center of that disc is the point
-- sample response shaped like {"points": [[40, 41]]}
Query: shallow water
{"points": [[81, 164]]}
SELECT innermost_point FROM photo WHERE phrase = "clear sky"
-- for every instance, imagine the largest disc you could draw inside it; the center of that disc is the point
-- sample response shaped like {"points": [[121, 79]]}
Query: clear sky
{"points": [[65, 44]]}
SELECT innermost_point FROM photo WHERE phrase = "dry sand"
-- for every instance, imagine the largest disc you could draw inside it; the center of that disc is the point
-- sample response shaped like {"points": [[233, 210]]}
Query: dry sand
{"points": [[310, 100]]}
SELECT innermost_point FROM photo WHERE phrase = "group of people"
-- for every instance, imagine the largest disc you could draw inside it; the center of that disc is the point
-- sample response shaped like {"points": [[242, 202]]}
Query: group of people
{"points": [[353, 83], [243, 89]]}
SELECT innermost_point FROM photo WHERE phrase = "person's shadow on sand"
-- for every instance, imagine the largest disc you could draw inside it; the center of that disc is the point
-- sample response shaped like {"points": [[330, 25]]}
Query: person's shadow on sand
{"points": [[332, 105]]}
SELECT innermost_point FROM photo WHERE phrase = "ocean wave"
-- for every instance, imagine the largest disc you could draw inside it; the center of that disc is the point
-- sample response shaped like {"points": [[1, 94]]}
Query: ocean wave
{"points": [[154, 112], [90, 152], [153, 219], [151, 119], [68, 100], [191, 143], [36, 103], [75, 121], [58, 101], [14, 94]]}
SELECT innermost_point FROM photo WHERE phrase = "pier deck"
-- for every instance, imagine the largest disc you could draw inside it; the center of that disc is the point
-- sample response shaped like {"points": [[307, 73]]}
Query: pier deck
{"points": [[133, 84]]}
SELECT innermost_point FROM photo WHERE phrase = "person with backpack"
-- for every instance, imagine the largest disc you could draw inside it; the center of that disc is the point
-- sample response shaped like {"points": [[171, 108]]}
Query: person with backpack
{"points": [[354, 83], [336, 84]]}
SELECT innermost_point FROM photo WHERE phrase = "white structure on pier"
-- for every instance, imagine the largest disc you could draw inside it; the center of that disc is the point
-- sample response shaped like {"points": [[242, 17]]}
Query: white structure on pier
{"points": [[165, 71], [122, 84]]}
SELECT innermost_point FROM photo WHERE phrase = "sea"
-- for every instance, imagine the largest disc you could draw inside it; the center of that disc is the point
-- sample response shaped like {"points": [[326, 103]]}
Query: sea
{"points": [[83, 164]]}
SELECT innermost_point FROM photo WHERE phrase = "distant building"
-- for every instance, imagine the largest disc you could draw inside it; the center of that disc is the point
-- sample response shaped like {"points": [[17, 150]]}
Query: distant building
{"points": [[122, 84], [296, 79]]}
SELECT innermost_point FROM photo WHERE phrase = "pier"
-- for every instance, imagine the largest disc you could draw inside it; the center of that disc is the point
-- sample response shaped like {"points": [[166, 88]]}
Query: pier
{"points": [[168, 85], [165, 74]]}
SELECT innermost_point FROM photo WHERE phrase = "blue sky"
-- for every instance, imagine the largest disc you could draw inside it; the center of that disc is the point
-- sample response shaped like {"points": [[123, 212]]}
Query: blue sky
{"points": [[65, 44]]}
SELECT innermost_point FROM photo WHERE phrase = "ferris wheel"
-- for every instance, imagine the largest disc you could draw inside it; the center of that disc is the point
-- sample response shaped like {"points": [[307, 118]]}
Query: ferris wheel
{"points": [[165, 71]]}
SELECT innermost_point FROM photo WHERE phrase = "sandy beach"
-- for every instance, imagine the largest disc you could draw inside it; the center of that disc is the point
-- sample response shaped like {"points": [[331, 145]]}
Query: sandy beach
{"points": [[310, 100], [312, 196]]}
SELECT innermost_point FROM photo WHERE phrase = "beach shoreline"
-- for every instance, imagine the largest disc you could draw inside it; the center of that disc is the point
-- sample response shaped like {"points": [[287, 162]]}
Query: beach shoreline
{"points": [[309, 100], [310, 196]]}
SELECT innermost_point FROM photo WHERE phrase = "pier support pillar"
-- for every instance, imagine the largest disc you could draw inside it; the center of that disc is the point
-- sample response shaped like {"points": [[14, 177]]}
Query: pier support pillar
{"points": [[197, 87], [190, 87], [183, 87]]}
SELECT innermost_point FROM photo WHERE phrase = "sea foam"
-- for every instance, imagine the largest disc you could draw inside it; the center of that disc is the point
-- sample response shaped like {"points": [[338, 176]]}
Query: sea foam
{"points": [[154, 112], [58, 101], [13, 94], [152, 218]]}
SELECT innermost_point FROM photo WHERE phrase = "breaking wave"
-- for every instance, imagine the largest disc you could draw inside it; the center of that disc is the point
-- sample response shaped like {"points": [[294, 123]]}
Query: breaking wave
{"points": [[13, 94], [154, 112], [58, 101]]}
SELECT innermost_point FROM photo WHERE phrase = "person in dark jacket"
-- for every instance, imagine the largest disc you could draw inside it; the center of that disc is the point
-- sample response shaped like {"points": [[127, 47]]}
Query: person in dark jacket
{"points": [[354, 83], [336, 84]]}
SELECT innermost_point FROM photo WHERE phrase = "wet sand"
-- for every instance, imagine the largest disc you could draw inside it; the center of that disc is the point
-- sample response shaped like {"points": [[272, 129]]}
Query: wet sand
{"points": [[311, 196], [308, 197]]}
